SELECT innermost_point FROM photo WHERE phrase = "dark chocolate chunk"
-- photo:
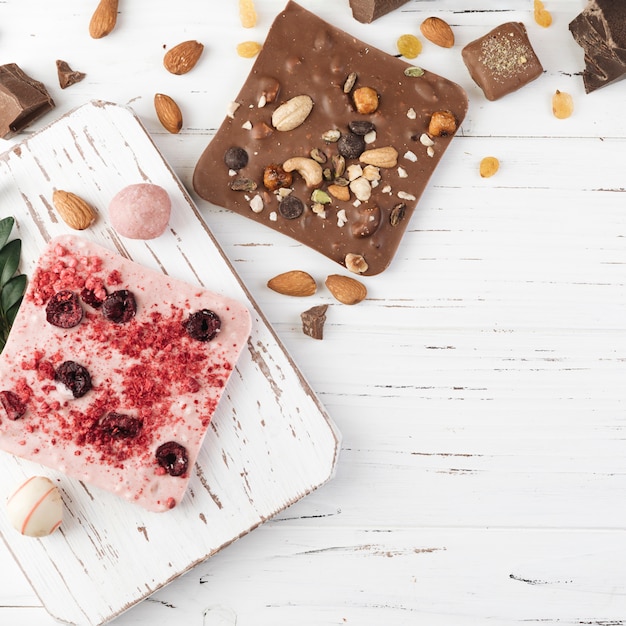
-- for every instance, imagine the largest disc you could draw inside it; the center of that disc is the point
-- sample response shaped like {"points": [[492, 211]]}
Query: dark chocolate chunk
{"points": [[600, 30], [68, 76], [367, 11], [304, 55], [502, 61], [22, 100], [313, 321]]}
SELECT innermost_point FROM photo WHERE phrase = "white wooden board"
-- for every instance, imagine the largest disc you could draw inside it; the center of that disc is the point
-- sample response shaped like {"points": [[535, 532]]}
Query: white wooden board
{"points": [[270, 443]]}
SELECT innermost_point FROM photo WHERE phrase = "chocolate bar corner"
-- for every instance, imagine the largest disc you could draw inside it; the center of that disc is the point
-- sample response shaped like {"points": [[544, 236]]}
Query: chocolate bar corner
{"points": [[366, 11]]}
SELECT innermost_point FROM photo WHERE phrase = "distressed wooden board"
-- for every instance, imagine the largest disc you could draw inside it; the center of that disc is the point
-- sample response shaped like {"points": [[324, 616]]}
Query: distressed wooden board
{"points": [[270, 443]]}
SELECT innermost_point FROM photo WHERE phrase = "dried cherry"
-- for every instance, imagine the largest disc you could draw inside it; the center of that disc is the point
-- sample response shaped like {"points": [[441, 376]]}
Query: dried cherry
{"points": [[120, 306], [64, 309], [203, 325], [120, 425], [89, 297], [12, 404], [172, 456], [75, 377]]}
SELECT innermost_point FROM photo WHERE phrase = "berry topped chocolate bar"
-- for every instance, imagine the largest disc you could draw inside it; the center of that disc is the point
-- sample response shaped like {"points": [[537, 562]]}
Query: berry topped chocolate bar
{"points": [[112, 372], [331, 141]]}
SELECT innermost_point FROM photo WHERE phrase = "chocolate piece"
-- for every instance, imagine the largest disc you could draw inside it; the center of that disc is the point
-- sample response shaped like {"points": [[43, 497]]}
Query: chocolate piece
{"points": [[22, 100], [68, 76], [304, 55], [601, 32], [367, 11], [313, 321], [502, 61]]}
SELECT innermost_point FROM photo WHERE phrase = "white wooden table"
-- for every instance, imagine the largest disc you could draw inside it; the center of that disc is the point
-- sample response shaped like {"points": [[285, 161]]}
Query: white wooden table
{"points": [[479, 389]]}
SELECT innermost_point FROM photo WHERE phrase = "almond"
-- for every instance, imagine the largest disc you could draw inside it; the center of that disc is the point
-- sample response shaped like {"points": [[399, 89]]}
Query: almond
{"points": [[182, 58], [346, 289], [293, 283], [438, 32], [168, 112], [103, 19], [74, 211]]}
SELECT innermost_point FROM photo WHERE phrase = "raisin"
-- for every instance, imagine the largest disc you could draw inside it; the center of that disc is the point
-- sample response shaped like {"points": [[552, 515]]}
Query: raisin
{"points": [[351, 145], [120, 306], [409, 46], [489, 166], [236, 158], [291, 207], [64, 310], [121, 426], [203, 325], [89, 297], [361, 127], [562, 105], [12, 404], [173, 458], [75, 377]]}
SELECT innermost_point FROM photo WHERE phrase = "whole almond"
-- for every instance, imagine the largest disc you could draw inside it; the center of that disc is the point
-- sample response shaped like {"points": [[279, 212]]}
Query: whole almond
{"points": [[168, 112], [438, 32], [292, 113], [74, 211], [293, 283], [103, 19], [183, 57], [380, 157], [346, 289]]}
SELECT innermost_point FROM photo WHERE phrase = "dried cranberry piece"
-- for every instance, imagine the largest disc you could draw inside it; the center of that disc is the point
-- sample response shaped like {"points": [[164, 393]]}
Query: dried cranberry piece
{"points": [[88, 296], [173, 458], [203, 325], [236, 158], [75, 377], [120, 425], [64, 309], [12, 404], [291, 207], [351, 146], [120, 306]]}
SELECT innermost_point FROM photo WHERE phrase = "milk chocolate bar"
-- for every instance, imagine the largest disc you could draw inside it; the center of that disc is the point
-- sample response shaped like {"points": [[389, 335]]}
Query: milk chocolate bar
{"points": [[331, 141], [502, 61], [367, 11], [600, 29], [22, 100]]}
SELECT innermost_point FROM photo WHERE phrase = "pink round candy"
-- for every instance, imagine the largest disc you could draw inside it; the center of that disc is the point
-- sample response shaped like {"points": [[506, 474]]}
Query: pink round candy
{"points": [[140, 211]]}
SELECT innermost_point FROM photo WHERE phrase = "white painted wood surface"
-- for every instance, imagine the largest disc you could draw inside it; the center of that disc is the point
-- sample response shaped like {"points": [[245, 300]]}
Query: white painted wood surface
{"points": [[479, 389]]}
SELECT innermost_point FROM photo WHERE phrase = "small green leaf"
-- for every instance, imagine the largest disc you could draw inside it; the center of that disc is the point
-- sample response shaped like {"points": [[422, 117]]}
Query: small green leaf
{"points": [[9, 260], [6, 226], [11, 314], [13, 291]]}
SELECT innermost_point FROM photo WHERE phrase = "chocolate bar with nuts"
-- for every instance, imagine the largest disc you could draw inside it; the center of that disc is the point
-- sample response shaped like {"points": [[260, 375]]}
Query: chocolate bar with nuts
{"points": [[331, 141], [22, 100], [600, 30], [367, 11]]}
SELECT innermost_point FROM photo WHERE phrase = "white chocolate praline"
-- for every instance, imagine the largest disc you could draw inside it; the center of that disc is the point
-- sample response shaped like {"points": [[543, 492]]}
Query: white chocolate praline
{"points": [[140, 211], [35, 508]]}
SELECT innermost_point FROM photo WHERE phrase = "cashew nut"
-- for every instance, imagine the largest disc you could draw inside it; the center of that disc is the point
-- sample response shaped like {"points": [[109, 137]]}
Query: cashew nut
{"points": [[309, 169]]}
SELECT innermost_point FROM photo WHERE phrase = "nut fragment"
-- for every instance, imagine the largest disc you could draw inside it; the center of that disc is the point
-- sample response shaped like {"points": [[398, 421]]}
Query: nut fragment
{"points": [[292, 113], [346, 289], [340, 192], [293, 283], [74, 211], [437, 31], [365, 100], [309, 169], [356, 263], [103, 19], [168, 112], [442, 123], [380, 157], [183, 57], [349, 82]]}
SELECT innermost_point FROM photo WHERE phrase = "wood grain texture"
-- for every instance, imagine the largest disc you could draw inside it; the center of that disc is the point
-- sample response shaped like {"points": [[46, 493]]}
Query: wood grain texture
{"points": [[482, 471]]}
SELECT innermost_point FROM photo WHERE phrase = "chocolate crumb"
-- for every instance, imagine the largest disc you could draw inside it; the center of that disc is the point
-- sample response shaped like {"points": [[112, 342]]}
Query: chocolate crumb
{"points": [[68, 76], [313, 321]]}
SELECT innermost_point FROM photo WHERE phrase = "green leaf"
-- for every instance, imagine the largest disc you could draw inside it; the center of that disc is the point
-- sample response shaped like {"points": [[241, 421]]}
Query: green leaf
{"points": [[11, 314], [6, 226], [13, 291], [9, 260]]}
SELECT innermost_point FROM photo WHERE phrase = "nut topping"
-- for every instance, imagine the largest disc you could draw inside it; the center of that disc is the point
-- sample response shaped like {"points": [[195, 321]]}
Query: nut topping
{"points": [[438, 32], [309, 169], [292, 113], [442, 123]]}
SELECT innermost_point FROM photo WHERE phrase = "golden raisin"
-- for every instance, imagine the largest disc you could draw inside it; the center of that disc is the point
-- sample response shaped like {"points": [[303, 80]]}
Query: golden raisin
{"points": [[562, 105], [542, 16], [409, 46], [247, 13], [489, 166], [248, 49]]}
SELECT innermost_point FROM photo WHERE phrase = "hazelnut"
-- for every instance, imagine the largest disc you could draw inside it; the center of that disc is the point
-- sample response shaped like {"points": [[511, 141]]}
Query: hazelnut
{"points": [[275, 177], [365, 100], [356, 263], [442, 123]]}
